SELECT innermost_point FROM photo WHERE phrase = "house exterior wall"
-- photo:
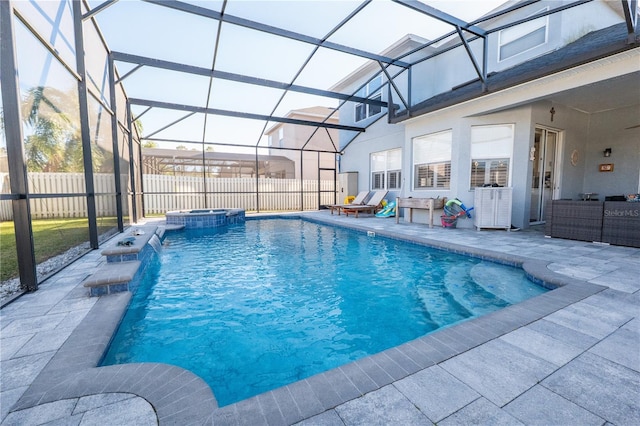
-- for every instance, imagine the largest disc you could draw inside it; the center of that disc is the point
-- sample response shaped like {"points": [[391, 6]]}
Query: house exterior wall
{"points": [[615, 130], [562, 28], [589, 134], [379, 137], [382, 136], [460, 121], [347, 117], [453, 68], [554, 26], [445, 71], [525, 106], [580, 20], [574, 130], [353, 82]]}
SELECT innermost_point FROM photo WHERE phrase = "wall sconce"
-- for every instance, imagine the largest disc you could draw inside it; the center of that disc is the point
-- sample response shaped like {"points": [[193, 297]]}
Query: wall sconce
{"points": [[607, 152]]}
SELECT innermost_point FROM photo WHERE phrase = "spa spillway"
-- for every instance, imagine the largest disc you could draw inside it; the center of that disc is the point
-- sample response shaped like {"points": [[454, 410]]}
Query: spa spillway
{"points": [[205, 218]]}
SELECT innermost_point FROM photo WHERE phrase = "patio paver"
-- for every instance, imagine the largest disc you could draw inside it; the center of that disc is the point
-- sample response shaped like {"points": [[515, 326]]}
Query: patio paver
{"points": [[574, 351]]}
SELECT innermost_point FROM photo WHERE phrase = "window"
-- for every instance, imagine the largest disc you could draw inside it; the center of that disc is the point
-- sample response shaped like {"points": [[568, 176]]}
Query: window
{"points": [[377, 180], [486, 172], [523, 37], [432, 161], [385, 169], [281, 137], [372, 91], [491, 148]]}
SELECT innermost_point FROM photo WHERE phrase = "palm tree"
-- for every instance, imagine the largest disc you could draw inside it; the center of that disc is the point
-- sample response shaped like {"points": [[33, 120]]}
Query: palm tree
{"points": [[54, 142], [51, 119]]}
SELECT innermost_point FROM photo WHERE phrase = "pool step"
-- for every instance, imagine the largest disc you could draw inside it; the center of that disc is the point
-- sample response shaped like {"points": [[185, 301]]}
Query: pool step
{"points": [[112, 278]]}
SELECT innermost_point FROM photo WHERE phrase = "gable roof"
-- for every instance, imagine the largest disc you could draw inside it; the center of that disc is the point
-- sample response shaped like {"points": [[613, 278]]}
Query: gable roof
{"points": [[593, 46]]}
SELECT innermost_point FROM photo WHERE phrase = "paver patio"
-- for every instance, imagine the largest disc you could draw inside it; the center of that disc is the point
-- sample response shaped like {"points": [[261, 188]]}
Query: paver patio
{"points": [[570, 356]]}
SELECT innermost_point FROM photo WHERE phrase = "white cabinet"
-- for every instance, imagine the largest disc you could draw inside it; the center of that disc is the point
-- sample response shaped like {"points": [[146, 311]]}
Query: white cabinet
{"points": [[347, 185], [492, 207]]}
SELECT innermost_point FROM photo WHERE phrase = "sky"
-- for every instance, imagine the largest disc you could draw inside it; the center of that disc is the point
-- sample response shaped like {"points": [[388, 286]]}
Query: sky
{"points": [[152, 31]]}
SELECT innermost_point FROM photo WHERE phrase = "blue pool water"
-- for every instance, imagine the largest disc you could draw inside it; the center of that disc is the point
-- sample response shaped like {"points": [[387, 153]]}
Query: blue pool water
{"points": [[256, 306]]}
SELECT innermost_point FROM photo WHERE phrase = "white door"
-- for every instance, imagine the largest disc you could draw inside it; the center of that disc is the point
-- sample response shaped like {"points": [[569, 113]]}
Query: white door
{"points": [[545, 182]]}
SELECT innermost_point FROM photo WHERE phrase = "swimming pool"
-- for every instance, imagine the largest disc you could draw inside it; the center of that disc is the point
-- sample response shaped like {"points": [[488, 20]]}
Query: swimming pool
{"points": [[256, 306]]}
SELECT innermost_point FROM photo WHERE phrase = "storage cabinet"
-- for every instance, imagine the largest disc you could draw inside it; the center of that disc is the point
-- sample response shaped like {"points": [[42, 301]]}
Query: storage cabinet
{"points": [[492, 207], [347, 185]]}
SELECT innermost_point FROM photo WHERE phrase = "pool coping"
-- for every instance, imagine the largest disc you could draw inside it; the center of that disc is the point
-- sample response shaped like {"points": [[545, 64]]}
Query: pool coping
{"points": [[181, 397]]}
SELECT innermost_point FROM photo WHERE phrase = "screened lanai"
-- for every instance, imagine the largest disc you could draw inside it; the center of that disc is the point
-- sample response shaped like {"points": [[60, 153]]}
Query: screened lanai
{"points": [[94, 93]]}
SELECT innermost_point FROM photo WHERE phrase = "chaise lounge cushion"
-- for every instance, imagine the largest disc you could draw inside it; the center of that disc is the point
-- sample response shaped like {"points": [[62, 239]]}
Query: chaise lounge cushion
{"points": [[358, 201], [373, 205]]}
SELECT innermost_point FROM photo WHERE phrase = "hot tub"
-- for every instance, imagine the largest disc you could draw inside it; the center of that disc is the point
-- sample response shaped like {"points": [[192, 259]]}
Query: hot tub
{"points": [[205, 218]]}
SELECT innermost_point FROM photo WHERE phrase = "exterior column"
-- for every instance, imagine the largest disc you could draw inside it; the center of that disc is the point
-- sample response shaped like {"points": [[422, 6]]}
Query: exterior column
{"points": [[133, 207], [116, 149], [84, 124], [15, 151]]}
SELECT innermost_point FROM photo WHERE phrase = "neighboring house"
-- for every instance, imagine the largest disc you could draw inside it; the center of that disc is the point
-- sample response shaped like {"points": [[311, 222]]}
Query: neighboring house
{"points": [[212, 164], [558, 91], [288, 140]]}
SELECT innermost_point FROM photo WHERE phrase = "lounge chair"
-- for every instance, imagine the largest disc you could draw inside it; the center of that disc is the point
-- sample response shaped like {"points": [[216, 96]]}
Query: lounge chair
{"points": [[358, 201], [373, 205]]}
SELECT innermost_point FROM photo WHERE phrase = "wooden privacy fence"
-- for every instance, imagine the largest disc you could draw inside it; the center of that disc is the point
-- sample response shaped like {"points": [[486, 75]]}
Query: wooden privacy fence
{"points": [[163, 193]]}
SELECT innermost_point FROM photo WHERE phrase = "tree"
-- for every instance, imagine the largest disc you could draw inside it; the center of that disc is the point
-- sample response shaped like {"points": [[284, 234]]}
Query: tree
{"points": [[139, 127], [46, 126], [53, 141]]}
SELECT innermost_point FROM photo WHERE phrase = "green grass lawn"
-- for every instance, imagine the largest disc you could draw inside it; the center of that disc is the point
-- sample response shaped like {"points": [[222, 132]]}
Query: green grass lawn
{"points": [[51, 237]]}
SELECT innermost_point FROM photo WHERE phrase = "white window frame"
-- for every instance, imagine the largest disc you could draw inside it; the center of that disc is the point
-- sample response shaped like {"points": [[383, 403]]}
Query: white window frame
{"points": [[372, 90], [493, 145], [386, 166], [519, 32], [433, 152]]}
